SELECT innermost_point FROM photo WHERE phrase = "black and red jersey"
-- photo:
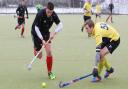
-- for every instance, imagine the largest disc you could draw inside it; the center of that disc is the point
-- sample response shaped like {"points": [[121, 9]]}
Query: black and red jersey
{"points": [[43, 22], [20, 11]]}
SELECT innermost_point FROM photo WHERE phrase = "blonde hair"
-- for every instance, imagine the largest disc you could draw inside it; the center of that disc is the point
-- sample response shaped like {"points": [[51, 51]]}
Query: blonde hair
{"points": [[89, 22]]}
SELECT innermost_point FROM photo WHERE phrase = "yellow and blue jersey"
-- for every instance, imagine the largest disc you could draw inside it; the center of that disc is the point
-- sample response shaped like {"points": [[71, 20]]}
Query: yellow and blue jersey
{"points": [[102, 30]]}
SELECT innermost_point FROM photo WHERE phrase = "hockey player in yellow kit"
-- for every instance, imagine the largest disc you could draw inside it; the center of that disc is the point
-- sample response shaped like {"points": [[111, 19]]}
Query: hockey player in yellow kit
{"points": [[107, 40]]}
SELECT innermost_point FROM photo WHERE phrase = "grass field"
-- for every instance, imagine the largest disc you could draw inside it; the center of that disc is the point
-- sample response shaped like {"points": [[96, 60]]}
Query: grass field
{"points": [[73, 56]]}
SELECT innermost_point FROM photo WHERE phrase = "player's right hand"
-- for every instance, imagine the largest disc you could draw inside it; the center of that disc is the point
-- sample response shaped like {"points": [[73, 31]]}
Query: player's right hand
{"points": [[95, 72]]}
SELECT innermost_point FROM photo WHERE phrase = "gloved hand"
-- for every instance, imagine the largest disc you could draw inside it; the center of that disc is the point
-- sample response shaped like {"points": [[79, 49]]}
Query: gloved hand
{"points": [[95, 72]]}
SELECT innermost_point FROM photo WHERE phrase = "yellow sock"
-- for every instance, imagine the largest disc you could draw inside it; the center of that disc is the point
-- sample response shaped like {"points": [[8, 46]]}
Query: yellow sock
{"points": [[100, 67], [106, 64]]}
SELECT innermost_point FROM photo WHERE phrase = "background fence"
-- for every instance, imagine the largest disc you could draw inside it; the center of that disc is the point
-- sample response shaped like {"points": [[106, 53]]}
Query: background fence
{"points": [[64, 6]]}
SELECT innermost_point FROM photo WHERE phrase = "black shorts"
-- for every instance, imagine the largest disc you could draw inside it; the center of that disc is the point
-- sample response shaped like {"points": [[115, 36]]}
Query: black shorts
{"points": [[111, 45], [37, 41], [86, 18], [21, 21], [111, 11]]}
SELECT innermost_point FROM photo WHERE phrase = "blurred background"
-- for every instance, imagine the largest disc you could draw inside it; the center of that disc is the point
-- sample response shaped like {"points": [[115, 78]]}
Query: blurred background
{"points": [[64, 6]]}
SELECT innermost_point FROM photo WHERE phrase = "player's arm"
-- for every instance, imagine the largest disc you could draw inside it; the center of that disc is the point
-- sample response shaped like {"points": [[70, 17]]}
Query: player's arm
{"points": [[17, 10], [38, 32], [92, 12], [86, 11], [37, 25], [97, 57], [59, 26], [26, 11], [112, 6], [85, 8], [98, 48]]}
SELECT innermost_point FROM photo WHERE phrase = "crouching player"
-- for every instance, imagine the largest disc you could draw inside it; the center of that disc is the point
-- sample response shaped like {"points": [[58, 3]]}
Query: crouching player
{"points": [[40, 34], [107, 40]]}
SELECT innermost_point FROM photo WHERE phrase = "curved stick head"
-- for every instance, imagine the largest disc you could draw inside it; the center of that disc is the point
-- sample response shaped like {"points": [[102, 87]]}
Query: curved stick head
{"points": [[29, 66], [60, 84]]}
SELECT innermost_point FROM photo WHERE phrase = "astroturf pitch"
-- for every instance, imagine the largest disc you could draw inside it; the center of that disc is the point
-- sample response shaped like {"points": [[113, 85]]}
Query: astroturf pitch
{"points": [[73, 53]]}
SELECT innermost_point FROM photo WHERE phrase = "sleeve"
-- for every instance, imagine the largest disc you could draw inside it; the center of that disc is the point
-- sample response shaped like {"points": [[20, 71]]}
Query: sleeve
{"points": [[38, 33], [58, 23], [37, 26], [56, 18], [37, 20], [59, 27], [17, 11]]}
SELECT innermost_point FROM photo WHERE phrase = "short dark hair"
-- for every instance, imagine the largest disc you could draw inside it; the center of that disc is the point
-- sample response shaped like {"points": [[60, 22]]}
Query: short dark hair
{"points": [[90, 23], [50, 6]]}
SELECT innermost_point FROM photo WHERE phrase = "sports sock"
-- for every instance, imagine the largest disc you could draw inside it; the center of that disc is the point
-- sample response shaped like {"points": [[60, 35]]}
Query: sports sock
{"points": [[106, 64], [111, 19], [100, 67], [49, 61], [22, 31]]}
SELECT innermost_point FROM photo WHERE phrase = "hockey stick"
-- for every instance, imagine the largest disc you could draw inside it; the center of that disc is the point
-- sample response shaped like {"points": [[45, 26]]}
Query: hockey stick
{"points": [[29, 66], [62, 85]]}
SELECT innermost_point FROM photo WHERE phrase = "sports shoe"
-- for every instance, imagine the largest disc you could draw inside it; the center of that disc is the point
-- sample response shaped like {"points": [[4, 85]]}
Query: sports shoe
{"points": [[96, 79], [51, 76], [108, 72], [15, 28], [22, 36]]}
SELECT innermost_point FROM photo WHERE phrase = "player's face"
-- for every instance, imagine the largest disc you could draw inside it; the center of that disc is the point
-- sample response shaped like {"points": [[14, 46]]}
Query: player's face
{"points": [[88, 30], [89, 1], [23, 3], [49, 12]]}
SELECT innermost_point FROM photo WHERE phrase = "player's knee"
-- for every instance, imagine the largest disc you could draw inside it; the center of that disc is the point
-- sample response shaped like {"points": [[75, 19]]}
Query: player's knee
{"points": [[49, 53], [102, 54]]}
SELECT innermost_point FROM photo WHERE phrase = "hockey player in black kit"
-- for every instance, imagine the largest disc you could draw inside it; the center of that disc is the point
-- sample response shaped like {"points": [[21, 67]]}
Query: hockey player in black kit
{"points": [[41, 34]]}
